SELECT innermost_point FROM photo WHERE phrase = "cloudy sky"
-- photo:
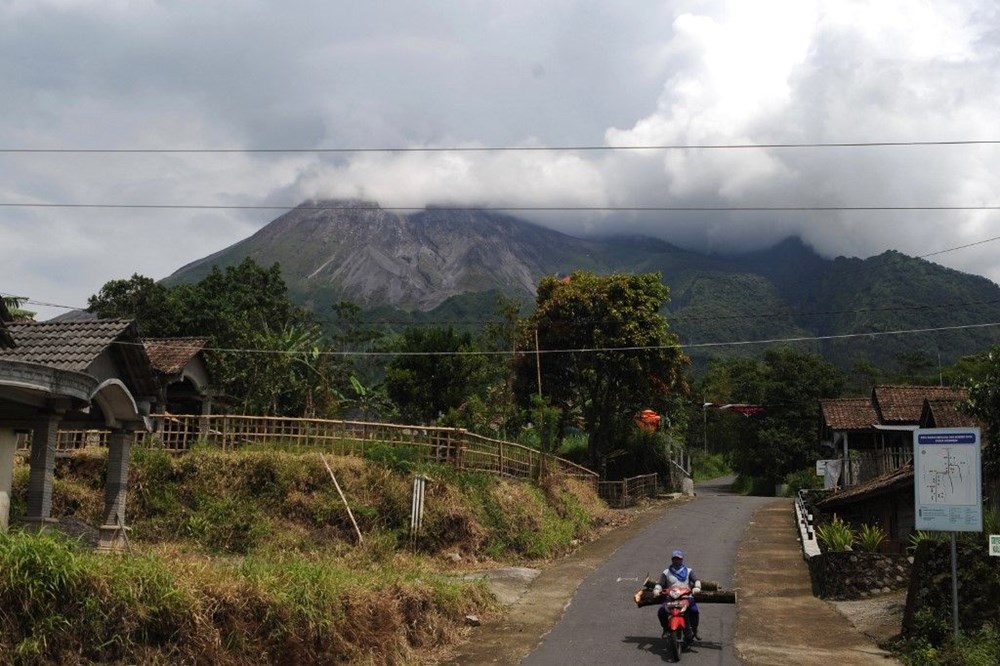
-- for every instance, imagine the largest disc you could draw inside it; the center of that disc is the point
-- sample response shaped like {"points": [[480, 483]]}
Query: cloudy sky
{"points": [[225, 79]]}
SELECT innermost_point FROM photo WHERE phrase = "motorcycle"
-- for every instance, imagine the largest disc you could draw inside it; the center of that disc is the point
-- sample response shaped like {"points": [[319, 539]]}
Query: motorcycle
{"points": [[675, 601], [678, 632]]}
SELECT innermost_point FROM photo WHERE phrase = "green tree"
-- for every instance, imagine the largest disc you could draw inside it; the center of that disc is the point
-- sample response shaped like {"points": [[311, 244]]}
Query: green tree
{"points": [[605, 352], [733, 379], [264, 350], [436, 370], [142, 299], [984, 404], [786, 438]]}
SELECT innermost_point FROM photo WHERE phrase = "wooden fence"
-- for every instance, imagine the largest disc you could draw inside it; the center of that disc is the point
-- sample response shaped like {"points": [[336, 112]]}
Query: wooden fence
{"points": [[628, 492], [871, 464], [454, 446]]}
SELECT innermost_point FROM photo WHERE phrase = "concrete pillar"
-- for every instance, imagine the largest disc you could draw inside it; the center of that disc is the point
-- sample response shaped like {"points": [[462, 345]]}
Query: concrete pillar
{"points": [[8, 444], [112, 531], [43, 462]]}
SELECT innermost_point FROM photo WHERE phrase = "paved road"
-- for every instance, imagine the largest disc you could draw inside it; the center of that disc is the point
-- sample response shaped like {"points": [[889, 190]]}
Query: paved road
{"points": [[602, 625]]}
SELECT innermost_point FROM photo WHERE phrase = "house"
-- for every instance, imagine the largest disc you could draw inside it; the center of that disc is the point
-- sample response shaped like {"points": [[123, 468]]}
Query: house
{"points": [[86, 374], [882, 492], [183, 377], [874, 435]]}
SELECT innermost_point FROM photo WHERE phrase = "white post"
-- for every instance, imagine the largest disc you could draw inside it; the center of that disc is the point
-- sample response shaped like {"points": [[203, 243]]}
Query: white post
{"points": [[8, 445], [417, 507]]}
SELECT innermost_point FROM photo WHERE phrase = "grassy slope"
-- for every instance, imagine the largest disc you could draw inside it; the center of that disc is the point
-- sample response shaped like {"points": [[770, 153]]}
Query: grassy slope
{"points": [[252, 557]]}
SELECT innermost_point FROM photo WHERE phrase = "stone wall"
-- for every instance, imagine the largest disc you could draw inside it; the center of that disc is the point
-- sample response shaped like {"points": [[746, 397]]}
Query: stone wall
{"points": [[857, 575]]}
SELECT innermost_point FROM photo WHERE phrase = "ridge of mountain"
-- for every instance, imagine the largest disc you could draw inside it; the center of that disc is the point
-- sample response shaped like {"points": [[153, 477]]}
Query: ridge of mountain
{"points": [[437, 262], [413, 262]]}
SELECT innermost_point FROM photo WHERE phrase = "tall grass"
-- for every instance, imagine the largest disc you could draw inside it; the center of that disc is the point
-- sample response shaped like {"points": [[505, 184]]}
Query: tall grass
{"points": [[249, 557], [60, 603]]}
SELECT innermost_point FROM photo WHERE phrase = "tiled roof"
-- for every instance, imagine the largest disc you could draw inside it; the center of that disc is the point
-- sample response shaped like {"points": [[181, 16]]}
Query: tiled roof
{"points": [[904, 404], [170, 355], [64, 345], [945, 414], [848, 413], [878, 486]]}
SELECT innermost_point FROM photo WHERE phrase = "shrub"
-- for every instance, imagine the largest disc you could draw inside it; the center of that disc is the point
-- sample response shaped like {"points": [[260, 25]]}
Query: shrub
{"points": [[870, 537], [835, 536], [708, 465], [802, 479]]}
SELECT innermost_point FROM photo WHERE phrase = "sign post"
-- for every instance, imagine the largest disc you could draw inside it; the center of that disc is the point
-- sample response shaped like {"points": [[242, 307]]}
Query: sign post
{"points": [[947, 485]]}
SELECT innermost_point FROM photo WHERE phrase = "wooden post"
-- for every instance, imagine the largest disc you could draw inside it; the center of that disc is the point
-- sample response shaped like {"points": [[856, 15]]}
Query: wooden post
{"points": [[341, 493]]}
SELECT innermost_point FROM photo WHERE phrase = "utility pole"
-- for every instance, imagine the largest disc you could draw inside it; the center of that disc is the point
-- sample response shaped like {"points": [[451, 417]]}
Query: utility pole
{"points": [[704, 421], [538, 363]]}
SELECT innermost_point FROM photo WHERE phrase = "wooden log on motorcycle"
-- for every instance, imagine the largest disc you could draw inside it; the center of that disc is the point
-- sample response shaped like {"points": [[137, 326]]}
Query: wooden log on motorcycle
{"points": [[709, 594], [715, 596]]}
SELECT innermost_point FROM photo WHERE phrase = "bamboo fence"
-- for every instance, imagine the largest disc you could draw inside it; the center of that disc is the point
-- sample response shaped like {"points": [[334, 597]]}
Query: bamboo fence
{"points": [[453, 446], [628, 492]]}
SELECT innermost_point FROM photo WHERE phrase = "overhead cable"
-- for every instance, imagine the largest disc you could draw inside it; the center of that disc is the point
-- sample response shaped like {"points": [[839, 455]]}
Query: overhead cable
{"points": [[498, 149]]}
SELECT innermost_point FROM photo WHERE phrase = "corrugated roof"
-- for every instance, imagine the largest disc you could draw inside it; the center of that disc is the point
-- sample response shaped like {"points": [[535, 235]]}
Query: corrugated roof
{"points": [[848, 413], [878, 486], [170, 355], [904, 404]]}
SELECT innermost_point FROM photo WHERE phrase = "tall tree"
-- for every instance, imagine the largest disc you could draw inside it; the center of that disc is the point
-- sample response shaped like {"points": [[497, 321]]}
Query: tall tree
{"points": [[604, 350], [264, 350], [437, 370], [142, 299], [786, 438], [984, 404]]}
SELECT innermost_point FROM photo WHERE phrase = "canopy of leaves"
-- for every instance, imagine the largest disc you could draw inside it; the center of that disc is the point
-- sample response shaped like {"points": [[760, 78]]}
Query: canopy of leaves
{"points": [[266, 353], [785, 438], [437, 370], [605, 353], [984, 404]]}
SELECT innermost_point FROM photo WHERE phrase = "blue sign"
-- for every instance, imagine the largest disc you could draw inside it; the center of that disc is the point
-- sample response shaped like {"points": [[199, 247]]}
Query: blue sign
{"points": [[947, 479]]}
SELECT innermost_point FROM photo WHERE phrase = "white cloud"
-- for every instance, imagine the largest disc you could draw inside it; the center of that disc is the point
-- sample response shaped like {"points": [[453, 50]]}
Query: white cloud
{"points": [[337, 74]]}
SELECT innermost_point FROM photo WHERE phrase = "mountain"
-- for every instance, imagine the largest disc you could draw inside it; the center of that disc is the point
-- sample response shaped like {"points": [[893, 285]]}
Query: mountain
{"points": [[443, 265], [411, 262]]}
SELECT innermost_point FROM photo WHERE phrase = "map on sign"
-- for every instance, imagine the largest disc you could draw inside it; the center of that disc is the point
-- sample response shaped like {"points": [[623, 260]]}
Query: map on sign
{"points": [[947, 479], [945, 475]]}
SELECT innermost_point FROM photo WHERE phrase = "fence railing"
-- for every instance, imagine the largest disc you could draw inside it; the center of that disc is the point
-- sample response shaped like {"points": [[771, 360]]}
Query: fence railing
{"points": [[455, 446], [628, 492], [871, 464]]}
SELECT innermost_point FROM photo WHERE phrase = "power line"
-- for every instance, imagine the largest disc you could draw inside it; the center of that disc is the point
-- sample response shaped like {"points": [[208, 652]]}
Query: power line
{"points": [[499, 149], [516, 208], [591, 350]]}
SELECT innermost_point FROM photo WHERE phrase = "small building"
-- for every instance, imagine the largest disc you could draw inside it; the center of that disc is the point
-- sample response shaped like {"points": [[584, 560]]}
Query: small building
{"points": [[73, 375], [873, 436], [182, 374], [884, 494]]}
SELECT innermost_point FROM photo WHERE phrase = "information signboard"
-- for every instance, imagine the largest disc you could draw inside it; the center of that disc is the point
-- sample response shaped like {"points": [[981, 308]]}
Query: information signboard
{"points": [[995, 545], [947, 479]]}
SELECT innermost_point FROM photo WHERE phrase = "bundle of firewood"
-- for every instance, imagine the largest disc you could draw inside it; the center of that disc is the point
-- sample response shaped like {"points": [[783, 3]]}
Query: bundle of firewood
{"points": [[709, 594]]}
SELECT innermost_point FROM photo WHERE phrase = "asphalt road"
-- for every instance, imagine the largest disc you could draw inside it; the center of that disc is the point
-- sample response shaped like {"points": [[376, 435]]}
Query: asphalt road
{"points": [[602, 625]]}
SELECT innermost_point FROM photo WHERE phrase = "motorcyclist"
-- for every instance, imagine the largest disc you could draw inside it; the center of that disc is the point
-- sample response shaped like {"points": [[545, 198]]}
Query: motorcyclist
{"points": [[679, 574]]}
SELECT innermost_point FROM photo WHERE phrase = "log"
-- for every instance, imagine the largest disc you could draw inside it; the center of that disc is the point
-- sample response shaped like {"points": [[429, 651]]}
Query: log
{"points": [[715, 596], [645, 597]]}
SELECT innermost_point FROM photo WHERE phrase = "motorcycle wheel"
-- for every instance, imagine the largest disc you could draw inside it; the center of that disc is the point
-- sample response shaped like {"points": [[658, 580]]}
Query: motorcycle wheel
{"points": [[676, 643]]}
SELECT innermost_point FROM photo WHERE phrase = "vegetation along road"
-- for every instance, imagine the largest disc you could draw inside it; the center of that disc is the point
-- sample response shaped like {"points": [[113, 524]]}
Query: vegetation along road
{"points": [[602, 625]]}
